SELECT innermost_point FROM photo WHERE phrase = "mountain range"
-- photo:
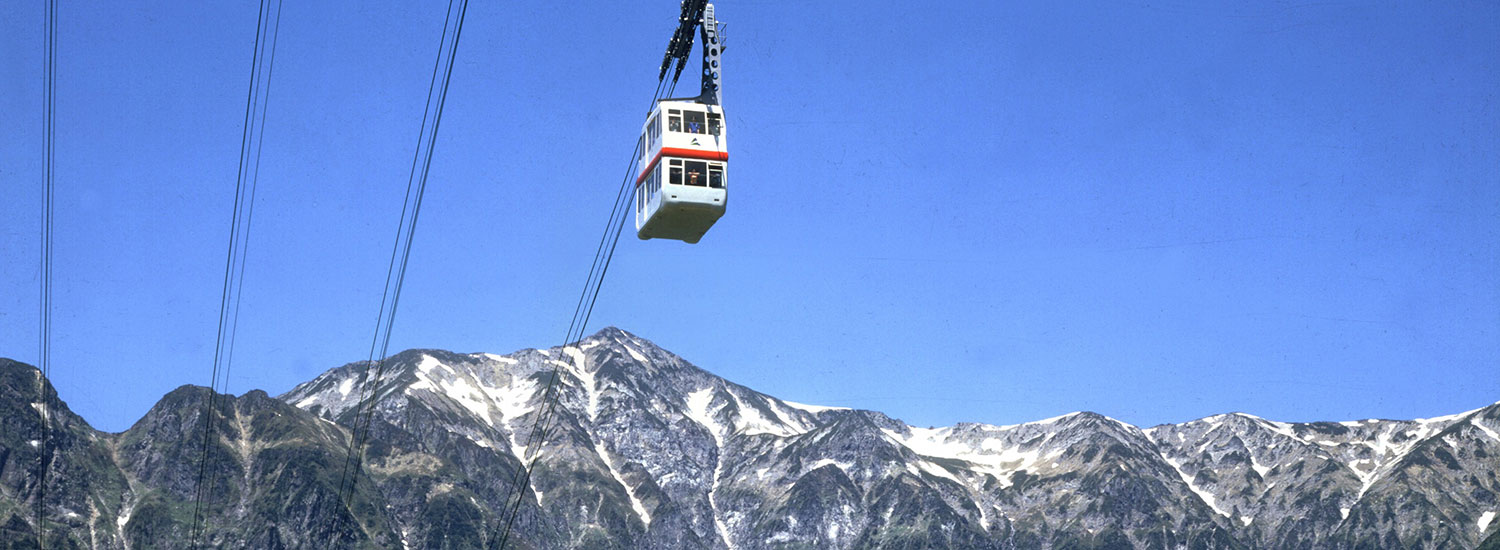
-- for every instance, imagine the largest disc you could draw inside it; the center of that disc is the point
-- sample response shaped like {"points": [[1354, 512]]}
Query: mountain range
{"points": [[646, 450]]}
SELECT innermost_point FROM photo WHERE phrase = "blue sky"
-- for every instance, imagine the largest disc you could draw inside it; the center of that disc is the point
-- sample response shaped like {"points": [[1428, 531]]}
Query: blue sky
{"points": [[988, 211]]}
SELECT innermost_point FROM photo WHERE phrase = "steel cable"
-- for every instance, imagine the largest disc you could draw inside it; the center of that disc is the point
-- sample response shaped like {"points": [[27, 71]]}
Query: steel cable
{"points": [[583, 310], [396, 272], [247, 175], [44, 339]]}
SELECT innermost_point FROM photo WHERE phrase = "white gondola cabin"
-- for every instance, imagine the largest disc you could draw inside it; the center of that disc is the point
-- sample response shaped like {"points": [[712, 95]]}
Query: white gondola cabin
{"points": [[680, 191]]}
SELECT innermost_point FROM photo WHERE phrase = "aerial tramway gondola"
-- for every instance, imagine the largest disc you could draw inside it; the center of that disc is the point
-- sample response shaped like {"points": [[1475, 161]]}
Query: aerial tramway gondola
{"points": [[681, 188]]}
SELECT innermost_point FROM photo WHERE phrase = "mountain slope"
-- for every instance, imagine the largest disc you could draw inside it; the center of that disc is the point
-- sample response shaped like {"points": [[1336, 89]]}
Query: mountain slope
{"points": [[645, 450], [271, 477], [681, 457], [84, 486]]}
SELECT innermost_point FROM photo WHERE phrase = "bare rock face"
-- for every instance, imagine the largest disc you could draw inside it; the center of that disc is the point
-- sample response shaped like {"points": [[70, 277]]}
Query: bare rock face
{"points": [[270, 478], [644, 450], [83, 485]]}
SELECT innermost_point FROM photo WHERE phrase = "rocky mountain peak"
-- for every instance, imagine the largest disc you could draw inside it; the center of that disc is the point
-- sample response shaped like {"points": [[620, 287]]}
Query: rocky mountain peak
{"points": [[645, 450]]}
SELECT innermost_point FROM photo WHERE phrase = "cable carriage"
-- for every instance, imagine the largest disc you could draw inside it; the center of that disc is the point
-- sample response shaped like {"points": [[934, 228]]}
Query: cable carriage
{"points": [[680, 192], [681, 188]]}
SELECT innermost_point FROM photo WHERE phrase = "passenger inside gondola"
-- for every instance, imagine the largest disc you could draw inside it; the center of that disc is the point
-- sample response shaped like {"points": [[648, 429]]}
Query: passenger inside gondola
{"points": [[694, 122], [696, 176]]}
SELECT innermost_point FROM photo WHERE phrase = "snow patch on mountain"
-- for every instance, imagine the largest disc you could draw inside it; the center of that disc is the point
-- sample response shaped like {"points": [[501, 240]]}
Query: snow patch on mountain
{"points": [[1260, 469], [788, 419], [428, 364], [750, 421], [815, 409], [1282, 428], [1046, 421], [579, 368], [635, 501], [514, 400], [469, 396], [697, 403], [1208, 497], [1486, 429], [499, 358], [127, 509], [939, 471], [638, 356], [991, 456], [845, 466]]}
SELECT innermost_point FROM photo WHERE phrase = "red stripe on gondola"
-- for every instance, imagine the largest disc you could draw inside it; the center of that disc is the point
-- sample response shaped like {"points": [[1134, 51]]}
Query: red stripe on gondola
{"points": [[675, 152], [693, 153]]}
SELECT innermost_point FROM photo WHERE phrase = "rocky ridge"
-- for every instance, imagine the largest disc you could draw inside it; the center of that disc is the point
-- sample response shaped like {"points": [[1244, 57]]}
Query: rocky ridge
{"points": [[648, 451]]}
